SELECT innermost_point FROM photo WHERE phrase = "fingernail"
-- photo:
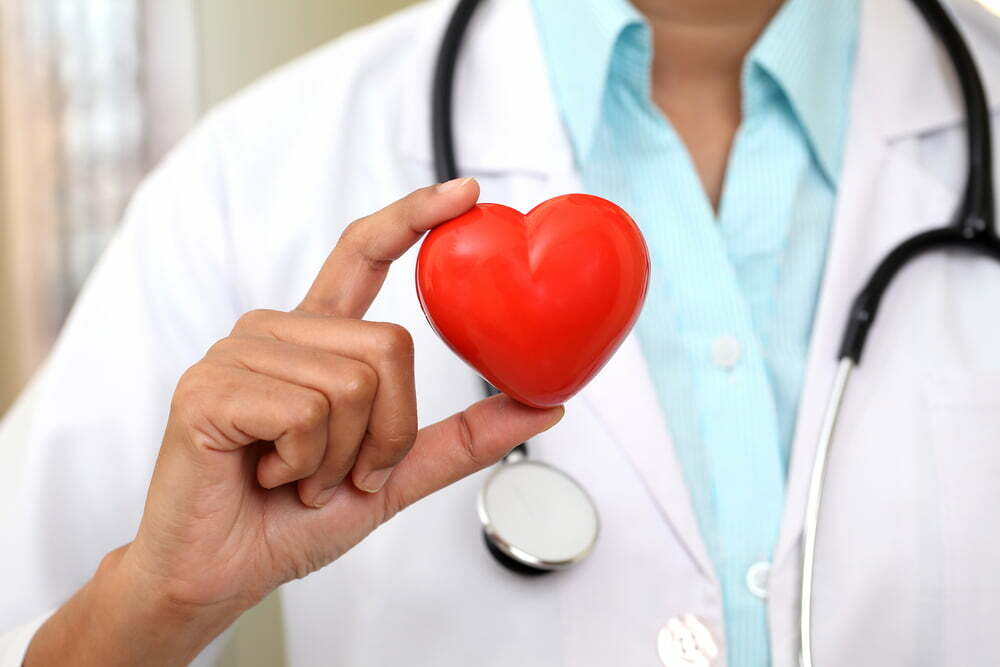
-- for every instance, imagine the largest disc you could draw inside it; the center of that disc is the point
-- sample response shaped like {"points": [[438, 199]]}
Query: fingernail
{"points": [[453, 184], [375, 480], [558, 418], [324, 497]]}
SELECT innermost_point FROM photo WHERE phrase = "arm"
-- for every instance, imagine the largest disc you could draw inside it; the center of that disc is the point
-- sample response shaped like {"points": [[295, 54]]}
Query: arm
{"points": [[290, 442], [114, 620]]}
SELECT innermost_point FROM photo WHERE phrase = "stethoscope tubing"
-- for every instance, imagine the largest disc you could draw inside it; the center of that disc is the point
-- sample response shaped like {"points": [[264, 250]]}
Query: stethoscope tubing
{"points": [[977, 208], [972, 229], [817, 480], [443, 91]]}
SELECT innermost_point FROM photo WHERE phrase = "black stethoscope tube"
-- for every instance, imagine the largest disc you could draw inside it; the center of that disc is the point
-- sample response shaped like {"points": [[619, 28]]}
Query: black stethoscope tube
{"points": [[977, 207], [972, 229], [973, 226], [442, 91]]}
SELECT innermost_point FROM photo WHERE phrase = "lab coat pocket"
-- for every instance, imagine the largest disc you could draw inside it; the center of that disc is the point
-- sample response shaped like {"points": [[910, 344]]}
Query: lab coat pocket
{"points": [[963, 421]]}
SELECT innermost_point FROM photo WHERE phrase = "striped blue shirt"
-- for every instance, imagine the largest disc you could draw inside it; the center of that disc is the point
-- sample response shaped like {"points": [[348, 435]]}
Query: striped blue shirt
{"points": [[727, 321]]}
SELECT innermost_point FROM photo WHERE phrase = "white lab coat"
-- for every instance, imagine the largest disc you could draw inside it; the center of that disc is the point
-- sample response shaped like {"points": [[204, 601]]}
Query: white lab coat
{"points": [[242, 215]]}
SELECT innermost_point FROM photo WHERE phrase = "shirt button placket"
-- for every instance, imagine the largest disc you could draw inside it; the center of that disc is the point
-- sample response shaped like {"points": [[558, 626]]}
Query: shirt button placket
{"points": [[758, 576], [726, 352]]}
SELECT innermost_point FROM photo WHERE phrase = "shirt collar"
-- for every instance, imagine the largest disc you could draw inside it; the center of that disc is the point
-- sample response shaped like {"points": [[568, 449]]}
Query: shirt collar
{"points": [[807, 50], [579, 46]]}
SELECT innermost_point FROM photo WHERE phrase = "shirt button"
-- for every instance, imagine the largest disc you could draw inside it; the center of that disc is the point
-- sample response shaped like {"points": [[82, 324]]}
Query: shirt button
{"points": [[726, 351], [686, 642], [757, 578]]}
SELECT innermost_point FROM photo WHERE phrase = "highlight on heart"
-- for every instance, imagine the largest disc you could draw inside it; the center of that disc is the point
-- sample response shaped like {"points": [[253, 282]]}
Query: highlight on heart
{"points": [[536, 302]]}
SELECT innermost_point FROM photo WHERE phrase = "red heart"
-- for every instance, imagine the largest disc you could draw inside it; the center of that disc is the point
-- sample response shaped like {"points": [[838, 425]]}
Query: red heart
{"points": [[536, 303]]}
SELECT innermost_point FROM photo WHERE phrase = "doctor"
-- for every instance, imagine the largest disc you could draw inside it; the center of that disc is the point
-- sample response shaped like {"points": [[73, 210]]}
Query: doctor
{"points": [[771, 152]]}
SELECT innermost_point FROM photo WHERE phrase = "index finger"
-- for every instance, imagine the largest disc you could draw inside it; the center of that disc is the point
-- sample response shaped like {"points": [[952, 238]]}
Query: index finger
{"points": [[356, 268]]}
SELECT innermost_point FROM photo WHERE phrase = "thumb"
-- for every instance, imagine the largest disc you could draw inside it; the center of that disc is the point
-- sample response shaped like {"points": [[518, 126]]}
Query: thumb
{"points": [[465, 443]]}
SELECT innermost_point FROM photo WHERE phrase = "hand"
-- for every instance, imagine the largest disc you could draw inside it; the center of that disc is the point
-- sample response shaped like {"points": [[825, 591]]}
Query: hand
{"points": [[291, 441]]}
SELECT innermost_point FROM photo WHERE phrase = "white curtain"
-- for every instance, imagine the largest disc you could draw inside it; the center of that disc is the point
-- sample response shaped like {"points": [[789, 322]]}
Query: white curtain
{"points": [[79, 82], [98, 109]]}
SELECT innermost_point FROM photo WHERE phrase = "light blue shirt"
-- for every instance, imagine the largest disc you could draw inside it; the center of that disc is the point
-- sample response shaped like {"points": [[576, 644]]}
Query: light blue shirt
{"points": [[728, 316]]}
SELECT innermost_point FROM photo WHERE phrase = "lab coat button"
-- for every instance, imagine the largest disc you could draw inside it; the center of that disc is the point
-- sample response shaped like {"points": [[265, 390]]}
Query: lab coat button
{"points": [[757, 578], [686, 642], [726, 351]]}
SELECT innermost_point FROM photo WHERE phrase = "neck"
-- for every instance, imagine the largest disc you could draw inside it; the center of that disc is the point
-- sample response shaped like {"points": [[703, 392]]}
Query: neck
{"points": [[698, 52], [704, 39]]}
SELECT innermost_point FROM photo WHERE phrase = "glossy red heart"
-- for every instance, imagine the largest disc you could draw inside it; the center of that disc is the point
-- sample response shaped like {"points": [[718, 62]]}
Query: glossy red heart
{"points": [[536, 303]]}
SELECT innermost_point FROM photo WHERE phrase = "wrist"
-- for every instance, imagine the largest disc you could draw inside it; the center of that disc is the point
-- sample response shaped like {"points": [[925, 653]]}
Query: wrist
{"points": [[173, 630], [123, 616]]}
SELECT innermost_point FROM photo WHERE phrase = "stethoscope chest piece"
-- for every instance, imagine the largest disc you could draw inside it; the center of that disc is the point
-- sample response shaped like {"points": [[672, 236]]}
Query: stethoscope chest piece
{"points": [[536, 518]]}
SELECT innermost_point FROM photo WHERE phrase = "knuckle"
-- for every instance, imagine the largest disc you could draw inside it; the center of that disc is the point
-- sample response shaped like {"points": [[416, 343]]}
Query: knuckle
{"points": [[202, 394], [201, 439], [222, 347], [468, 442], [358, 383], [393, 502], [312, 410], [193, 384], [356, 237], [397, 444], [354, 232], [393, 341], [253, 320]]}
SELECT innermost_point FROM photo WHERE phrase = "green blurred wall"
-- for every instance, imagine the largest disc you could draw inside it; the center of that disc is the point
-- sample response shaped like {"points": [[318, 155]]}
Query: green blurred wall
{"points": [[241, 39]]}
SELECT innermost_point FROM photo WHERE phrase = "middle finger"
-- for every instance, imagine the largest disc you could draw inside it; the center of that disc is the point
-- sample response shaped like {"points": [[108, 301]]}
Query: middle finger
{"points": [[349, 386], [388, 349]]}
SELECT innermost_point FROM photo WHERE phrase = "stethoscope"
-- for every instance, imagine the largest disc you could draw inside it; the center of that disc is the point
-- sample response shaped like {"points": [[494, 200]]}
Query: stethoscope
{"points": [[536, 518]]}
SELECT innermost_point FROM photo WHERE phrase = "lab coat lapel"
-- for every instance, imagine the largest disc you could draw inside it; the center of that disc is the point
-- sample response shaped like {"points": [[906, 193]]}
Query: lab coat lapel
{"points": [[623, 398], [903, 88]]}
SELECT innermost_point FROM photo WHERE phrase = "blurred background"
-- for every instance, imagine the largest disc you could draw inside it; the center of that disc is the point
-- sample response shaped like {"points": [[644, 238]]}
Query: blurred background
{"points": [[92, 93]]}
